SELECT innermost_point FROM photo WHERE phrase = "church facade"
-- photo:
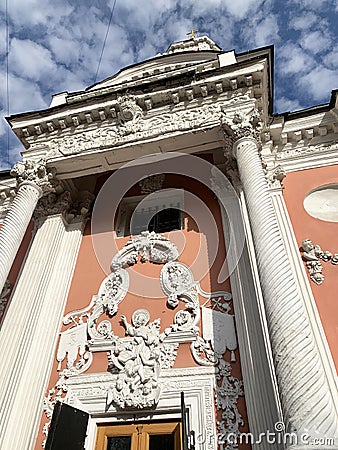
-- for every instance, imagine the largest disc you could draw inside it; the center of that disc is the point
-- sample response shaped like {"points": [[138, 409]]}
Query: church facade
{"points": [[169, 263]]}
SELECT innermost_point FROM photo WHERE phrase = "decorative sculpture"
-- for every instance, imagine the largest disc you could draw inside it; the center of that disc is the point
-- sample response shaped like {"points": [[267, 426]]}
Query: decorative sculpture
{"points": [[313, 254], [135, 361]]}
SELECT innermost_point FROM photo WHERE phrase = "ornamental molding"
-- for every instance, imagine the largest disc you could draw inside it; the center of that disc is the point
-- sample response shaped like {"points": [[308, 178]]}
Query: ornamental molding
{"points": [[144, 127], [35, 173], [89, 392], [300, 150], [129, 110], [53, 203], [225, 87], [129, 122], [313, 256]]}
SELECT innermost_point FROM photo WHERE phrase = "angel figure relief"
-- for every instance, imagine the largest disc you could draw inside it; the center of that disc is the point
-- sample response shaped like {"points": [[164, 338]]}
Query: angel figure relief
{"points": [[136, 359]]}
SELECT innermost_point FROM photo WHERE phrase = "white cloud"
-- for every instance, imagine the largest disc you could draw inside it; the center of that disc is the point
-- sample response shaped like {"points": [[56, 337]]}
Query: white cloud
{"points": [[316, 42], [31, 60], [292, 59], [3, 38], [313, 4], [304, 22], [284, 104], [25, 13], [318, 83], [331, 59], [24, 94], [3, 123], [266, 31], [241, 8]]}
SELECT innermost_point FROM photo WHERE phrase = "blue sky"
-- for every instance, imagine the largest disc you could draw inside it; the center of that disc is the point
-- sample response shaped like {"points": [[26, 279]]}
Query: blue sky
{"points": [[55, 45]]}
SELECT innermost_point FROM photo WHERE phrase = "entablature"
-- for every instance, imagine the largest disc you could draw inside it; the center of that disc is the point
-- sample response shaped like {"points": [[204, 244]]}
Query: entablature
{"points": [[185, 92]]}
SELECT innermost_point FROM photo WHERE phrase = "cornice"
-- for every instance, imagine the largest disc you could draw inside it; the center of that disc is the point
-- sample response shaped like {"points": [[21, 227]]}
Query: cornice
{"points": [[103, 106], [302, 142]]}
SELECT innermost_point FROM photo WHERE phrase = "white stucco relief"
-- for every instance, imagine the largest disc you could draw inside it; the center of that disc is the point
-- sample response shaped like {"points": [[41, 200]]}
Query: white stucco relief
{"points": [[313, 256], [136, 361], [130, 123]]}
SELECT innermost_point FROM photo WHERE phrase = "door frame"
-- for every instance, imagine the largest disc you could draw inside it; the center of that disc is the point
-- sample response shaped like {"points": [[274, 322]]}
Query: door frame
{"points": [[88, 392]]}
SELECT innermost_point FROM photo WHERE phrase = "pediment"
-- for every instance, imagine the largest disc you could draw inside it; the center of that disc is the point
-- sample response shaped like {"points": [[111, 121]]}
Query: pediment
{"points": [[161, 64]]}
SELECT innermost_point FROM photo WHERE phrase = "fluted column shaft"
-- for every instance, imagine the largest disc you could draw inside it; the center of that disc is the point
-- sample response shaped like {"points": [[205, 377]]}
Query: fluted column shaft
{"points": [[306, 400], [15, 225]]}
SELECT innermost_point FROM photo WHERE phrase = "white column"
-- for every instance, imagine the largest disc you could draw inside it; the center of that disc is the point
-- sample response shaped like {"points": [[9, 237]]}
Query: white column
{"points": [[33, 181], [29, 333], [306, 399], [15, 225], [304, 288]]}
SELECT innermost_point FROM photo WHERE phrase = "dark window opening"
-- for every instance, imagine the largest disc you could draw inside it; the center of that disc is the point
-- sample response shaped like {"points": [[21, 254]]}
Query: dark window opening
{"points": [[165, 220]]}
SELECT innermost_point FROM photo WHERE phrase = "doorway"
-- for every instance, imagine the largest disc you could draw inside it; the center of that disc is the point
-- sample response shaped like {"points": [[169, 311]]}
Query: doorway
{"points": [[140, 436]]}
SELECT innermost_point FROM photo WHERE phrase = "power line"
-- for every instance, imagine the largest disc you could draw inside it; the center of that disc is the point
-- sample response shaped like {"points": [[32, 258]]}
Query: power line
{"points": [[105, 40], [7, 76]]}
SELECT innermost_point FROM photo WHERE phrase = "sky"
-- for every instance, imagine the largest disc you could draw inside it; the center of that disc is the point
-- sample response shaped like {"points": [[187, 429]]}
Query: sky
{"points": [[55, 46]]}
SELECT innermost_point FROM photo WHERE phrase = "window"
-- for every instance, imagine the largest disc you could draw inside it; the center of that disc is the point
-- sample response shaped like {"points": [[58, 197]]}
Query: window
{"points": [[140, 436], [160, 212]]}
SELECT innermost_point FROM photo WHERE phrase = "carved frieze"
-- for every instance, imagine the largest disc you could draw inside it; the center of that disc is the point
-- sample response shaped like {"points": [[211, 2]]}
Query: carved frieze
{"points": [[133, 124], [129, 111], [291, 151]]}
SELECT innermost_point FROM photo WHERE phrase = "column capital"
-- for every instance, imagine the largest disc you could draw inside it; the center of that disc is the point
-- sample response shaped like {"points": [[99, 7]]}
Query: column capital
{"points": [[36, 174], [244, 124], [74, 207]]}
